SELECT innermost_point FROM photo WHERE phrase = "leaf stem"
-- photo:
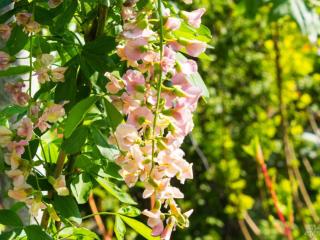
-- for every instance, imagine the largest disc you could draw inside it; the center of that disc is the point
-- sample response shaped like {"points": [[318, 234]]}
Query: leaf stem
{"points": [[159, 85]]}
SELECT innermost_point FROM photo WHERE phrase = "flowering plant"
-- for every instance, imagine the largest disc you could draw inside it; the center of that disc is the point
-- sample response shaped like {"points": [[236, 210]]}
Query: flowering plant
{"points": [[105, 93]]}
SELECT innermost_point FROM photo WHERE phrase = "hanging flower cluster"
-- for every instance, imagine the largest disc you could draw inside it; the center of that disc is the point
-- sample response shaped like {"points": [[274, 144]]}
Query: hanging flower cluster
{"points": [[158, 100], [16, 140]]}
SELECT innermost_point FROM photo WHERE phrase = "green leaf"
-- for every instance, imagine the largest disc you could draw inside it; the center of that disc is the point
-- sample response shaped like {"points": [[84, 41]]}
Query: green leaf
{"points": [[35, 232], [119, 228], [10, 218], [11, 235], [18, 70], [115, 191], [195, 79], [74, 143], [100, 46], [18, 39], [77, 114], [114, 116], [72, 233], [43, 16], [139, 227], [67, 207], [81, 186], [62, 21], [129, 211], [190, 33], [12, 110]]}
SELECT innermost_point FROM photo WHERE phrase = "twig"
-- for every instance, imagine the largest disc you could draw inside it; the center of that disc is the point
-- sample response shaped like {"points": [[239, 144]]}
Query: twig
{"points": [[244, 230], [199, 152], [255, 229], [308, 166], [97, 217]]}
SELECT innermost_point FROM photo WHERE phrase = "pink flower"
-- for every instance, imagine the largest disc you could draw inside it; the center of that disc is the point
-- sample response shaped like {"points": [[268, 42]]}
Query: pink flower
{"points": [[15, 89], [17, 177], [20, 193], [5, 32], [25, 129], [17, 147], [5, 136], [13, 159], [189, 67], [57, 74], [174, 45], [126, 135], [4, 60], [133, 50], [32, 27], [42, 123], [132, 31], [133, 79], [172, 23], [23, 18], [129, 103], [54, 112], [195, 48], [166, 234], [194, 17], [154, 221], [43, 75], [129, 178], [169, 59], [54, 3], [115, 84], [140, 116]]}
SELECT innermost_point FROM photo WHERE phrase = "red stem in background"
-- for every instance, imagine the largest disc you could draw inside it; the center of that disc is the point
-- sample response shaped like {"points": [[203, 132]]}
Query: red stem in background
{"points": [[264, 169]]}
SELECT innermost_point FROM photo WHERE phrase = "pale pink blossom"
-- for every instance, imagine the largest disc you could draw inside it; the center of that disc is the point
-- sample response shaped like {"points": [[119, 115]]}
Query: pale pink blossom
{"points": [[169, 59], [172, 23], [57, 74], [42, 123], [140, 116], [129, 103], [174, 45], [154, 221], [5, 136], [43, 75], [17, 147], [18, 96], [20, 193], [133, 79], [166, 234], [25, 128], [195, 48], [4, 60], [32, 27], [132, 31], [115, 84], [189, 67], [126, 135], [13, 159], [194, 17], [5, 32], [23, 18], [54, 112], [17, 177], [46, 60], [134, 49]]}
